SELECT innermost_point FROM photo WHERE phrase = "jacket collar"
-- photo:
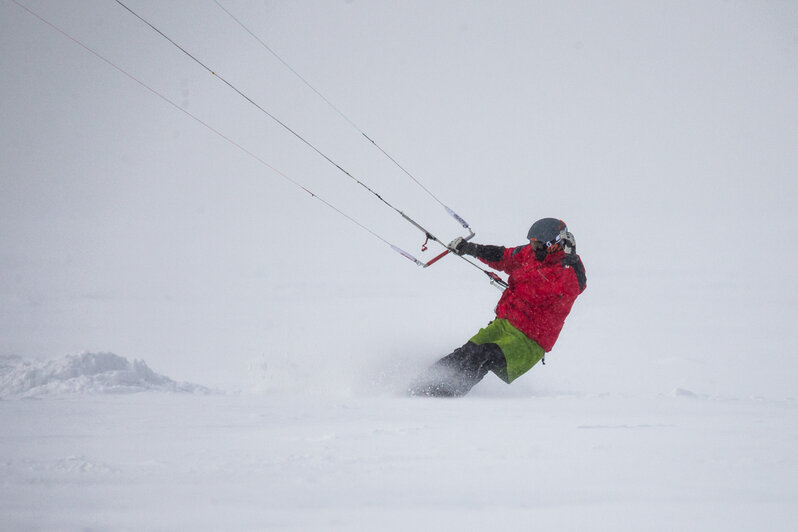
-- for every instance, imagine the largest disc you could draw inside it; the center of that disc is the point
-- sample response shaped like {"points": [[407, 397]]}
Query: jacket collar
{"points": [[553, 258]]}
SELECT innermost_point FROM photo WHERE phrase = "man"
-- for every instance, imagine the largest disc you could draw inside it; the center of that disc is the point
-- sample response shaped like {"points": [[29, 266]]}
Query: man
{"points": [[546, 276]]}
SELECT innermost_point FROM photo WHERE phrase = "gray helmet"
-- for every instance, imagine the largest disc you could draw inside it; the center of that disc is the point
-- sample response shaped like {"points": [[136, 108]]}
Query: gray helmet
{"points": [[546, 230], [553, 233]]}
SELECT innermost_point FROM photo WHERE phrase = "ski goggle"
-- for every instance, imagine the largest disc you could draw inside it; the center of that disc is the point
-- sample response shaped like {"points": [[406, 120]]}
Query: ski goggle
{"points": [[564, 240], [551, 245]]}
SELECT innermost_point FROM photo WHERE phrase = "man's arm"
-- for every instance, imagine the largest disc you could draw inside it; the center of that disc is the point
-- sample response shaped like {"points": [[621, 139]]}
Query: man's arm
{"points": [[572, 260], [497, 257], [480, 251]]}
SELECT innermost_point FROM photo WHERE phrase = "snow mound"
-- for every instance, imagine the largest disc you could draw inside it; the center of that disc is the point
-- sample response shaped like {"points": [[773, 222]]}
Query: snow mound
{"points": [[101, 373]]}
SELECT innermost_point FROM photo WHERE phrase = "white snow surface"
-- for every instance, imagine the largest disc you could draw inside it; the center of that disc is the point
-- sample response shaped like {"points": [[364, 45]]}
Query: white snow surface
{"points": [[84, 373], [273, 461], [141, 253]]}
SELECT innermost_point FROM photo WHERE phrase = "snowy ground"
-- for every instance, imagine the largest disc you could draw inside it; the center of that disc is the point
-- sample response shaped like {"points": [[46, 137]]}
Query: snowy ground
{"points": [[170, 460]]}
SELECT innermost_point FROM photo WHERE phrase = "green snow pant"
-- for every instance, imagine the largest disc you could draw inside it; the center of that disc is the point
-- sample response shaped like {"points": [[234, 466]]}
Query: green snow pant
{"points": [[520, 351]]}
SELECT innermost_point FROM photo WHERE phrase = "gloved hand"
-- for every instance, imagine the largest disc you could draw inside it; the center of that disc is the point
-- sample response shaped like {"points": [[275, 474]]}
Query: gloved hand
{"points": [[456, 245], [568, 242]]}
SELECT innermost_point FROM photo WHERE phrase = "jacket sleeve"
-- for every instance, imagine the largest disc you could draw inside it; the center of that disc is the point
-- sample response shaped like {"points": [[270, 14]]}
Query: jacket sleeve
{"points": [[482, 252], [574, 261], [497, 257]]}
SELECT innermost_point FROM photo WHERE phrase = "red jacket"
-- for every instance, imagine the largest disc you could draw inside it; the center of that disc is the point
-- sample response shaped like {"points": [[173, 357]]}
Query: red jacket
{"points": [[540, 294]]}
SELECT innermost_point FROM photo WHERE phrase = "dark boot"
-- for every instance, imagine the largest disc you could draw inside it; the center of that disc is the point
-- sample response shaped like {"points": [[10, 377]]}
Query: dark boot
{"points": [[454, 375]]}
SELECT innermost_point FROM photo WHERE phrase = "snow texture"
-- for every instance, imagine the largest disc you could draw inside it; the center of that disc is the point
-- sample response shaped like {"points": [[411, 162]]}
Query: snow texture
{"points": [[86, 373], [279, 461]]}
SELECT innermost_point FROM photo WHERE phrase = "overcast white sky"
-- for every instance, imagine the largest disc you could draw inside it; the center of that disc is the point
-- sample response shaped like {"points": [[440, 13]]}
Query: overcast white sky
{"points": [[664, 133]]}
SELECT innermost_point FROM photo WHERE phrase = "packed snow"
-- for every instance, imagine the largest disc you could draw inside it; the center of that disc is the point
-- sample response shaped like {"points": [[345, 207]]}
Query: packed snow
{"points": [[188, 341], [94, 373], [285, 461]]}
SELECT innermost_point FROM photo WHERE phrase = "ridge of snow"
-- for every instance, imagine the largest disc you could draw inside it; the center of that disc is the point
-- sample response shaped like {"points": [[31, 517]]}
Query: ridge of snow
{"points": [[92, 373]]}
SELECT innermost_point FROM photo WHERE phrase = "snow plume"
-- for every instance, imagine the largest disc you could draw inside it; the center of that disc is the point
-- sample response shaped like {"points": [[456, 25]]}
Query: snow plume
{"points": [[345, 374], [85, 373]]}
